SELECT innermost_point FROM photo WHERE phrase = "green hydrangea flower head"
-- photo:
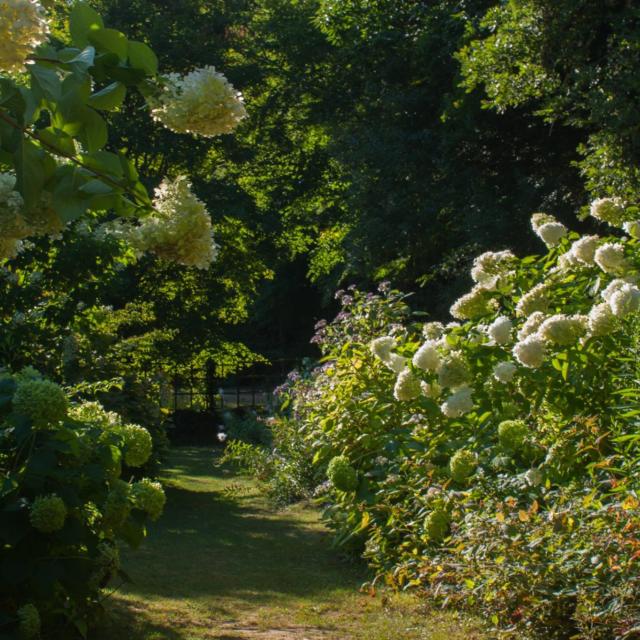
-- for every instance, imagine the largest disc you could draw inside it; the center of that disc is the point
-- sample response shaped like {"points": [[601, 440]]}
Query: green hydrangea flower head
{"points": [[436, 525], [149, 496], [501, 463], [28, 621], [512, 434], [137, 445], [462, 465], [341, 474], [48, 513], [118, 504], [40, 400]]}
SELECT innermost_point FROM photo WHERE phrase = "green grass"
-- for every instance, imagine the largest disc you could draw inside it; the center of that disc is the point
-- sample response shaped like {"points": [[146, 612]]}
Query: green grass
{"points": [[221, 564]]}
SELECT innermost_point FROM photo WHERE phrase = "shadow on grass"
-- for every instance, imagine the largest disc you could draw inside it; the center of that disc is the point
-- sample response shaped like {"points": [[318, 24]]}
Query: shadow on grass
{"points": [[209, 546]]}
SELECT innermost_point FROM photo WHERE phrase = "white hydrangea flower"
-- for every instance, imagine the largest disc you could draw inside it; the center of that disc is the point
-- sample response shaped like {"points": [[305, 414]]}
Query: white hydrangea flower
{"points": [[382, 347], [610, 258], [539, 219], [458, 403], [491, 268], [563, 329], [602, 321], [609, 210], [203, 103], [427, 356], [612, 287], [633, 229], [530, 352], [430, 390], [180, 228], [453, 371], [584, 249], [500, 330], [625, 300], [532, 325], [534, 300], [551, 233], [433, 330], [472, 305], [407, 386], [504, 372], [567, 261], [396, 363], [23, 28]]}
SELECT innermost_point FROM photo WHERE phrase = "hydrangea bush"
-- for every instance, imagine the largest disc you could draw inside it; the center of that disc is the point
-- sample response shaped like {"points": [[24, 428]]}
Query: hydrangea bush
{"points": [[492, 462], [65, 509]]}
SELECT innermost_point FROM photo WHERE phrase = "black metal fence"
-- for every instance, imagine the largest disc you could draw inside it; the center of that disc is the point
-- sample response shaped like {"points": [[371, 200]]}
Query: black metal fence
{"points": [[216, 388]]}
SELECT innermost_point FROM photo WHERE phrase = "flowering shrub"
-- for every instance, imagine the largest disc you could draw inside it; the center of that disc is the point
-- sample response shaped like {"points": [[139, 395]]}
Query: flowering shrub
{"points": [[496, 459], [64, 507]]}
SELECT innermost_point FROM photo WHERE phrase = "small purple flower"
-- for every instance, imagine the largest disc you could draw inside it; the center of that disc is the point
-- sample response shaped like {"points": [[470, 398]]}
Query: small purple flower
{"points": [[321, 324]]}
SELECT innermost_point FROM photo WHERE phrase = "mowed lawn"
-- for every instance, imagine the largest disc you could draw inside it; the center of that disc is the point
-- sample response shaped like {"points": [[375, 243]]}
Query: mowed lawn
{"points": [[223, 564]]}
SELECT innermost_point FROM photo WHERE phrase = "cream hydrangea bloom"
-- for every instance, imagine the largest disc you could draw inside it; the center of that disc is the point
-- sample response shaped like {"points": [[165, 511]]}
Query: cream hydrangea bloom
{"points": [[535, 299], [472, 305], [23, 27], [180, 229], [530, 352], [612, 287], [427, 357], [610, 258], [504, 372], [531, 325], [407, 386], [382, 347], [609, 210], [458, 403], [203, 103], [453, 371], [430, 390], [625, 300], [551, 233], [396, 363], [500, 330], [563, 329], [584, 249], [602, 321], [433, 330], [491, 268], [633, 229]]}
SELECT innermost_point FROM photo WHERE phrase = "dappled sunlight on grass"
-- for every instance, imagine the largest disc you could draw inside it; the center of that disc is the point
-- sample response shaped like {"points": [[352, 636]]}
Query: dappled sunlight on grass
{"points": [[221, 561]]}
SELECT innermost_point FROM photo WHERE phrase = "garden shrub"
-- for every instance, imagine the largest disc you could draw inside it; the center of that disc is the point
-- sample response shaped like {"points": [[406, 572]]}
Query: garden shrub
{"points": [[65, 509], [497, 455]]}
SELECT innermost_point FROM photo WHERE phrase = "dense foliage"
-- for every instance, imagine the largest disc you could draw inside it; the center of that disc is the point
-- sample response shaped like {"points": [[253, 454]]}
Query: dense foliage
{"points": [[493, 463], [65, 505]]}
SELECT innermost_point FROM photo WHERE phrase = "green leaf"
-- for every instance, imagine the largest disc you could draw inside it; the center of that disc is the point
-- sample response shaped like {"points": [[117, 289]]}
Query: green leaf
{"points": [[58, 139], [68, 200], [96, 187], [30, 172], [142, 57], [94, 133], [82, 21], [47, 81], [109, 98], [110, 40]]}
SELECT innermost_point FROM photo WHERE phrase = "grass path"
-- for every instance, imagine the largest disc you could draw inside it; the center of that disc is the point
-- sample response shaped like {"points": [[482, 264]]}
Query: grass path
{"points": [[222, 565]]}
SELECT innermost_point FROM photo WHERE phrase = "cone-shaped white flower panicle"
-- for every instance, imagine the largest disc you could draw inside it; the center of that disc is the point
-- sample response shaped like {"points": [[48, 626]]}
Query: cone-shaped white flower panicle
{"points": [[562, 329], [602, 321], [535, 299], [382, 347], [492, 268], [453, 371], [23, 28], [610, 258], [500, 330], [396, 363], [584, 249], [530, 352], [612, 287], [180, 228], [532, 325], [427, 357], [551, 233], [430, 390], [203, 103], [458, 403], [472, 305], [504, 372], [433, 330], [611, 210], [407, 386], [625, 300], [633, 229]]}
